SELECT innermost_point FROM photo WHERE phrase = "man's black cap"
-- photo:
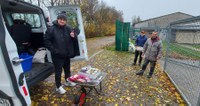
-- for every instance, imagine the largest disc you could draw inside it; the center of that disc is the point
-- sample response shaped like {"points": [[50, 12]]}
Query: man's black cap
{"points": [[62, 16]]}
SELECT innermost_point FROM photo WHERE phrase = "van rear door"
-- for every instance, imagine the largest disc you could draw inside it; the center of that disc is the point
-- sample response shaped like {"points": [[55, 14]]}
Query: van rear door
{"points": [[74, 20], [13, 87]]}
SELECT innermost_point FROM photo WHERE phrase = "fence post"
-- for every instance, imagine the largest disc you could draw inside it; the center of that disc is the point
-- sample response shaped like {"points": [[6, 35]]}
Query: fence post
{"points": [[167, 47], [125, 36], [199, 62], [118, 36], [198, 102]]}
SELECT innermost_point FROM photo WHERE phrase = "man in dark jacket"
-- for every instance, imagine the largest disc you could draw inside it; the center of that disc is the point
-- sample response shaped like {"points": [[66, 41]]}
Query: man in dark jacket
{"points": [[139, 43], [152, 53], [60, 40]]}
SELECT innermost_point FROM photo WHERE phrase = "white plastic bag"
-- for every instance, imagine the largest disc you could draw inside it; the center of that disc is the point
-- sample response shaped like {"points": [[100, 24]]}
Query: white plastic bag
{"points": [[39, 56], [131, 47]]}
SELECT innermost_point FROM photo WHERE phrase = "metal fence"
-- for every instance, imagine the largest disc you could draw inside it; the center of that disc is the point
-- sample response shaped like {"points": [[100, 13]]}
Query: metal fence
{"points": [[181, 41]]}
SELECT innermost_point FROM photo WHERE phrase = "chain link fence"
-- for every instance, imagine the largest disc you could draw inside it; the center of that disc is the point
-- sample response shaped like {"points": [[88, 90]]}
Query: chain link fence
{"points": [[181, 41]]}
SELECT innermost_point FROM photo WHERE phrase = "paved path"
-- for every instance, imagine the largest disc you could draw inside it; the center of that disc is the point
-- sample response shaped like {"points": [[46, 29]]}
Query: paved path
{"points": [[96, 44]]}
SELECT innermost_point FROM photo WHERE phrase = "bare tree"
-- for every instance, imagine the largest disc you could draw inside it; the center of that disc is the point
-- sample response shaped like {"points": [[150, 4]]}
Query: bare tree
{"points": [[136, 19], [96, 16]]}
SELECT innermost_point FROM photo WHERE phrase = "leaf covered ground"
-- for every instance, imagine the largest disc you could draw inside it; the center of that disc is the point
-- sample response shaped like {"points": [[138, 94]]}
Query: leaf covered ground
{"points": [[120, 87]]}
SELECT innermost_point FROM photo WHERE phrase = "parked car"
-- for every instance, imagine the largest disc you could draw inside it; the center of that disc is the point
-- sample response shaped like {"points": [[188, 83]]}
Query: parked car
{"points": [[22, 28]]}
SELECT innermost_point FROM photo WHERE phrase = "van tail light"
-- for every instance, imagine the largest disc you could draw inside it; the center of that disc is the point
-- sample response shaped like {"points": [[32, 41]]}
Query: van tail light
{"points": [[25, 90]]}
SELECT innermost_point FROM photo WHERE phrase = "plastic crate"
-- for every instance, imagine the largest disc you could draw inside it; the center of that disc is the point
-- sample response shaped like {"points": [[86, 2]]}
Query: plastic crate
{"points": [[27, 62]]}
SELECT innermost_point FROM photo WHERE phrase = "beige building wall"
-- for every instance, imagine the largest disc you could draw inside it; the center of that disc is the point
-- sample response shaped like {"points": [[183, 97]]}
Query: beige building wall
{"points": [[187, 37]]}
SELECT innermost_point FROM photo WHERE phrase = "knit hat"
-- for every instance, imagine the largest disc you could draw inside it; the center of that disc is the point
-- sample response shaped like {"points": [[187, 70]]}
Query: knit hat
{"points": [[62, 16]]}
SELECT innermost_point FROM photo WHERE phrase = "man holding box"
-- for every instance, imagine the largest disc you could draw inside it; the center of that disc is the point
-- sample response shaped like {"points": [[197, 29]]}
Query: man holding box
{"points": [[152, 53]]}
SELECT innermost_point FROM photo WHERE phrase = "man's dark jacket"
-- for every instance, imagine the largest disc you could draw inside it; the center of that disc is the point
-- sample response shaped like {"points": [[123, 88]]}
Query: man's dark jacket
{"points": [[60, 43]]}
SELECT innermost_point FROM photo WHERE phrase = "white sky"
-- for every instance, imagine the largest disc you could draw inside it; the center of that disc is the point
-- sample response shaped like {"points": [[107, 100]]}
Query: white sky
{"points": [[154, 8]]}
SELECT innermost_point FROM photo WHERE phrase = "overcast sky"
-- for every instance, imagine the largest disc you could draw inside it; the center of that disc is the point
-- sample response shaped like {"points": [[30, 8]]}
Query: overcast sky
{"points": [[154, 8]]}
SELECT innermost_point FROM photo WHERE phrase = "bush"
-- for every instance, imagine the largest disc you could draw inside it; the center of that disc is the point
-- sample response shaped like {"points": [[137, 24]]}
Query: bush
{"points": [[97, 30]]}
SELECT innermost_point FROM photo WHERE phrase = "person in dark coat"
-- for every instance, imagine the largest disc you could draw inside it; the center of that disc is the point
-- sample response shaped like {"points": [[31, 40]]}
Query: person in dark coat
{"points": [[152, 53], [62, 42], [139, 42]]}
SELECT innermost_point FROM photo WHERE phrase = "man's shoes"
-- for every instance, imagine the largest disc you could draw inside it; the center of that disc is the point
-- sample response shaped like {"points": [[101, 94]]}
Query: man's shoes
{"points": [[140, 72], [69, 83], [133, 64], [139, 64], [149, 76], [61, 90]]}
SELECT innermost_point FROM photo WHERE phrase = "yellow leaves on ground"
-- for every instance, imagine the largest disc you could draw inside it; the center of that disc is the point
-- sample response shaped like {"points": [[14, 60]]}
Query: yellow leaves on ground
{"points": [[121, 85], [44, 98], [136, 87]]}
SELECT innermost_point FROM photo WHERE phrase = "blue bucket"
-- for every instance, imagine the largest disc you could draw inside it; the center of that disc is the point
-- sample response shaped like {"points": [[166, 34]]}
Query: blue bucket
{"points": [[27, 62]]}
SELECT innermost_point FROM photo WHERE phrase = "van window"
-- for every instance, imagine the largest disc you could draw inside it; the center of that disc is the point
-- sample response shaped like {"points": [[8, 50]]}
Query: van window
{"points": [[71, 17], [32, 19]]}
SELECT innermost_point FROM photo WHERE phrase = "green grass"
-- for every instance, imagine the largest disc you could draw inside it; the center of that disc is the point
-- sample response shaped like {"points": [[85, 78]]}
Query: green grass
{"points": [[164, 44], [185, 51], [196, 46], [180, 50], [174, 48], [111, 48]]}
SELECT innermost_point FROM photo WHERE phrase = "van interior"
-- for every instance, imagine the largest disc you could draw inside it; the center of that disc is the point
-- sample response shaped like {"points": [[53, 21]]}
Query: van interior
{"points": [[26, 25]]}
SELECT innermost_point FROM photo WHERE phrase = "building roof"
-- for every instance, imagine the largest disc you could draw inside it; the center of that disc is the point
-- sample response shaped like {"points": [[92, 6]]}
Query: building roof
{"points": [[164, 16], [186, 20], [187, 24]]}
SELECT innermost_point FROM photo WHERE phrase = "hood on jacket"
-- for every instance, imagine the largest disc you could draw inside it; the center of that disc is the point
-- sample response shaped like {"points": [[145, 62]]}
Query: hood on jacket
{"points": [[156, 39], [55, 22]]}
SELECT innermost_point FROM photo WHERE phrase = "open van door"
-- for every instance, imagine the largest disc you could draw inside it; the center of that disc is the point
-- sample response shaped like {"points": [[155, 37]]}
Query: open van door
{"points": [[13, 87], [74, 20]]}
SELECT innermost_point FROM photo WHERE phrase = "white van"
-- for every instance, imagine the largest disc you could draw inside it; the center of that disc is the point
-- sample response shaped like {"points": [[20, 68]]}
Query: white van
{"points": [[22, 29]]}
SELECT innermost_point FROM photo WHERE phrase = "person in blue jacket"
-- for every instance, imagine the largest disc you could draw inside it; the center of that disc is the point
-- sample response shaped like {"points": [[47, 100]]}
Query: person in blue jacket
{"points": [[139, 42]]}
